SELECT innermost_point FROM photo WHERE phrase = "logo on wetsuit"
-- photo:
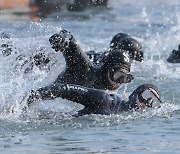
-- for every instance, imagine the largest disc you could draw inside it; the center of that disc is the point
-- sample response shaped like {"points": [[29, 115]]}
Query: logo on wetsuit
{"points": [[125, 54], [76, 88]]}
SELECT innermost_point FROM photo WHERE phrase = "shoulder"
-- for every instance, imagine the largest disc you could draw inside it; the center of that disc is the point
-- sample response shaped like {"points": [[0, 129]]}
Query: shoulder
{"points": [[96, 57]]}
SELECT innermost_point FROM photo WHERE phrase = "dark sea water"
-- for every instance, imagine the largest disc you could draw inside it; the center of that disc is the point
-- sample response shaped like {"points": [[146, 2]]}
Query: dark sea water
{"points": [[48, 128]]}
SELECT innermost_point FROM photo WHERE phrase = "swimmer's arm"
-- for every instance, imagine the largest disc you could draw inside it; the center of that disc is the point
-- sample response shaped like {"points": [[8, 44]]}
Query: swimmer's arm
{"points": [[78, 94], [75, 57], [73, 54]]}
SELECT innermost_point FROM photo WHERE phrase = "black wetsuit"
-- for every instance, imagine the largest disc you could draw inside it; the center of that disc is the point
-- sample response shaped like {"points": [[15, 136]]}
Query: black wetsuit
{"points": [[77, 83], [80, 70], [95, 101], [85, 82]]}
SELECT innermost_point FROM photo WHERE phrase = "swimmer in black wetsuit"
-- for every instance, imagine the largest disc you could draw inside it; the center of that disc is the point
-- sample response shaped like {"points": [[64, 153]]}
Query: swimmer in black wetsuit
{"points": [[175, 56], [81, 71], [84, 82], [120, 41], [98, 101]]}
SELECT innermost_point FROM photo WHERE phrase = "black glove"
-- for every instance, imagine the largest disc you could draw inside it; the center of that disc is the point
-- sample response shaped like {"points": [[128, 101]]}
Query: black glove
{"points": [[61, 40]]}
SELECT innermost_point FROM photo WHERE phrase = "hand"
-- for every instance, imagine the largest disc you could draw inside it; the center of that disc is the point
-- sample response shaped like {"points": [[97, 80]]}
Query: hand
{"points": [[61, 40]]}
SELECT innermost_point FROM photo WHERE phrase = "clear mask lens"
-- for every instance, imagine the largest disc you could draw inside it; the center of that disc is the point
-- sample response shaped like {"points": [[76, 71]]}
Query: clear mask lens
{"points": [[117, 75], [150, 99]]}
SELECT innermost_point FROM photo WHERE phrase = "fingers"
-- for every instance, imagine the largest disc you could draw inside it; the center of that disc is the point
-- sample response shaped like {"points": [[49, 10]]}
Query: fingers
{"points": [[56, 41], [60, 41]]}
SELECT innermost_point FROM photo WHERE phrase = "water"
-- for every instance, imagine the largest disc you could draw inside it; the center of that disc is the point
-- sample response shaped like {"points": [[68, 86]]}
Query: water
{"points": [[49, 128]]}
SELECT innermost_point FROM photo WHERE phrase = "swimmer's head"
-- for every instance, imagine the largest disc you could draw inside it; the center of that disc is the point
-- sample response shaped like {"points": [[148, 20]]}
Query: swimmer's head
{"points": [[174, 56], [145, 96], [116, 68], [116, 40], [132, 46]]}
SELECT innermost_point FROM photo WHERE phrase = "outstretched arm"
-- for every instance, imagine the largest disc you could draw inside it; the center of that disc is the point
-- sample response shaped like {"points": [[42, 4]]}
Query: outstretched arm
{"points": [[96, 101], [73, 54]]}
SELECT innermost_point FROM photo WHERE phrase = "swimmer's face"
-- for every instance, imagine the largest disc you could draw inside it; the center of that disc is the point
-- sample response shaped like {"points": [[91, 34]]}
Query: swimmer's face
{"points": [[118, 75], [148, 99]]}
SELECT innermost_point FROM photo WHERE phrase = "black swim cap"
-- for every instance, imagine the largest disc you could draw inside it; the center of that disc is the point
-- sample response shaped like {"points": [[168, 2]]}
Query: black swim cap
{"points": [[131, 45], [116, 40], [117, 57]]}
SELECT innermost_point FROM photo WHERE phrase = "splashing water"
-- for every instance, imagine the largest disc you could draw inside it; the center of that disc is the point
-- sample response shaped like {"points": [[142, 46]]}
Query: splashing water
{"points": [[19, 74], [48, 126]]}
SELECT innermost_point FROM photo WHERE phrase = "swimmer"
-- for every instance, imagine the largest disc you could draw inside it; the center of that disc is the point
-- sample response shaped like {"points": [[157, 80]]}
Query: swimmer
{"points": [[80, 70], [99, 101], [84, 82], [174, 56], [120, 41]]}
